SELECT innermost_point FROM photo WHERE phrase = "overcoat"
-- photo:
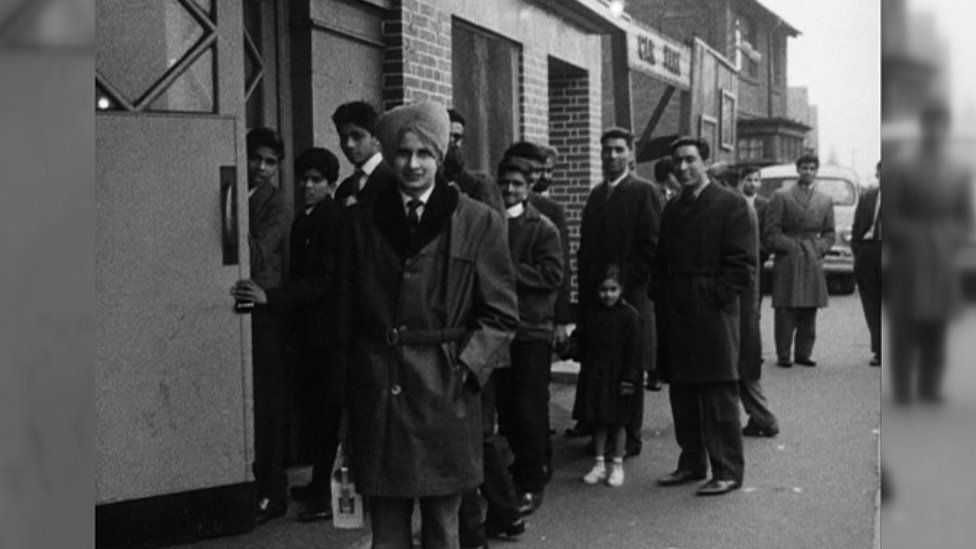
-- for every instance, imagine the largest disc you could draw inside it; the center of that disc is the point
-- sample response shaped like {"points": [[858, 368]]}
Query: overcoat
{"points": [[309, 298], [267, 227], [706, 258], [799, 231], [609, 351], [537, 255], [414, 406], [928, 217], [621, 229], [750, 346]]}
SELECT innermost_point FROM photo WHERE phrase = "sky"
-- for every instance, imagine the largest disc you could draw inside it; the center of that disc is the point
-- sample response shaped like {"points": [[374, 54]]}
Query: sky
{"points": [[838, 57]]}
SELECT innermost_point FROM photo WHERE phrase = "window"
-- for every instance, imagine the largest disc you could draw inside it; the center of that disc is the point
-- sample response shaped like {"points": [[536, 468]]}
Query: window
{"points": [[746, 40], [154, 55], [751, 148]]}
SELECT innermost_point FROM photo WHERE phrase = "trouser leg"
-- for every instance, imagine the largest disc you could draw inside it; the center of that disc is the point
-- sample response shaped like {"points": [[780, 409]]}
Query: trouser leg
{"points": [[686, 410], [527, 427], [471, 524], [755, 404], [806, 332], [439, 522], [269, 406], [390, 519], [902, 359], [783, 325], [326, 453], [722, 429], [867, 269], [931, 359]]}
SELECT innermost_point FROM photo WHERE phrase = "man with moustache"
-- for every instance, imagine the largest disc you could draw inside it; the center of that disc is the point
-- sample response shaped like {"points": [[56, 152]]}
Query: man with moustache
{"points": [[706, 259], [620, 226], [355, 122]]}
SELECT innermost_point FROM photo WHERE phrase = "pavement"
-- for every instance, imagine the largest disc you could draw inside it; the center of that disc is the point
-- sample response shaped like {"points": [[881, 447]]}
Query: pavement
{"points": [[815, 485]]}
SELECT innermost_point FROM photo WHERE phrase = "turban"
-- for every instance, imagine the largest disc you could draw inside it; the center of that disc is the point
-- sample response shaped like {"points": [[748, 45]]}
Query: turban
{"points": [[429, 121]]}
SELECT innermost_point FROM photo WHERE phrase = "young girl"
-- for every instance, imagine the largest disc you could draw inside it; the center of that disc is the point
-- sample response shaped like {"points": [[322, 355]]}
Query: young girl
{"points": [[609, 351]]}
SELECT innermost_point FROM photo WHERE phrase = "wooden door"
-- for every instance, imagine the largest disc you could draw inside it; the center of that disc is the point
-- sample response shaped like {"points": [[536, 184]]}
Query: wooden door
{"points": [[172, 381]]}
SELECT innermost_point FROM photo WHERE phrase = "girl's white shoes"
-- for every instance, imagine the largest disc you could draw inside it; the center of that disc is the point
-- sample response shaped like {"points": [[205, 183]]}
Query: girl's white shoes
{"points": [[596, 474], [599, 473]]}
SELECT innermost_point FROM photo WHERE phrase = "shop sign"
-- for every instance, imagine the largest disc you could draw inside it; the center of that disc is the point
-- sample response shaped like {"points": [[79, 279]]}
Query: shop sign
{"points": [[657, 56]]}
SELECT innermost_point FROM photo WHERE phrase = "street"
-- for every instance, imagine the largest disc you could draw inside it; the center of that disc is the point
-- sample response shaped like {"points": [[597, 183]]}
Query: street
{"points": [[814, 485]]}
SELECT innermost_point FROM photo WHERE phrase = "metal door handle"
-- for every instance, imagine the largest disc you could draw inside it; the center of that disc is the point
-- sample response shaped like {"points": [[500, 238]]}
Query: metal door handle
{"points": [[228, 214]]}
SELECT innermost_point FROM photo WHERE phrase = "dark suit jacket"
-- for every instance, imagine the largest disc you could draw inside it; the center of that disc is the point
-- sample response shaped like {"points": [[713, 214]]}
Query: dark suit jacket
{"points": [[863, 217], [347, 194], [705, 260], [555, 212], [622, 230], [267, 225]]}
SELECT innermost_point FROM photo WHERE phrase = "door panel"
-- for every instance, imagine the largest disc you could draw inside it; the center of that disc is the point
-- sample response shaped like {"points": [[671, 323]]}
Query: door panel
{"points": [[172, 374]]}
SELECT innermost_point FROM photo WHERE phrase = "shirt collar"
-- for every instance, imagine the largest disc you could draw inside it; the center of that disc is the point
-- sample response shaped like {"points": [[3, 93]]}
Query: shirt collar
{"points": [[370, 165], [697, 192], [613, 184], [423, 198], [516, 210]]}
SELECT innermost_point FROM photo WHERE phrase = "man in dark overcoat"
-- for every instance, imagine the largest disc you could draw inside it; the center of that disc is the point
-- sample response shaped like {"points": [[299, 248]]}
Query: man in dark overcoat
{"points": [[762, 422], [705, 260], [799, 231], [866, 246], [620, 226], [355, 122], [429, 312]]}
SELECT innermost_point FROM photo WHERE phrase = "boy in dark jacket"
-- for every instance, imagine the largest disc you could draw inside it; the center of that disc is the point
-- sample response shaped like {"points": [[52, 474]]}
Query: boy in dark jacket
{"points": [[523, 389]]}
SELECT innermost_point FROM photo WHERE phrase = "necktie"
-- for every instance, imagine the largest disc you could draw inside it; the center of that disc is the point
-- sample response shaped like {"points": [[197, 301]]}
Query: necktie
{"points": [[876, 224], [360, 179], [413, 216]]}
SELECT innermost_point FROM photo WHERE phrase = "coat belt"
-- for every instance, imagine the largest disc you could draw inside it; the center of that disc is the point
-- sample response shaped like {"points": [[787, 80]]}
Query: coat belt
{"points": [[404, 336]]}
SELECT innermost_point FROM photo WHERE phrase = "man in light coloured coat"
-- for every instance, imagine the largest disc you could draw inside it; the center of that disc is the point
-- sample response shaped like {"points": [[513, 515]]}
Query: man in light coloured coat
{"points": [[799, 231], [430, 313]]}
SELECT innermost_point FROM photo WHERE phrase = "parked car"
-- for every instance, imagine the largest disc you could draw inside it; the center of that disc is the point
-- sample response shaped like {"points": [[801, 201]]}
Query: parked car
{"points": [[841, 185]]}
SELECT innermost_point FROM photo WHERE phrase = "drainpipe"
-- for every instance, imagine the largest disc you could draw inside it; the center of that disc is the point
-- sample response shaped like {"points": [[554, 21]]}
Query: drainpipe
{"points": [[769, 86]]}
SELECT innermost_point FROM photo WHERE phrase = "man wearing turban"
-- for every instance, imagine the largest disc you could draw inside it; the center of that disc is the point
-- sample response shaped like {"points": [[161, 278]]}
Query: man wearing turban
{"points": [[429, 312]]}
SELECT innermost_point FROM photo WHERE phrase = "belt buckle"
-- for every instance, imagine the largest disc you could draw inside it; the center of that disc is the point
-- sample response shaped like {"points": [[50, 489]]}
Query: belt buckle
{"points": [[392, 336]]}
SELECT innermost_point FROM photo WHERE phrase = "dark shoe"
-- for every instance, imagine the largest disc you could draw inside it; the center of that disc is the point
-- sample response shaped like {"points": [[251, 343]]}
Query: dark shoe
{"points": [[529, 502], [717, 487], [316, 513], [577, 430], [510, 530], [784, 363], [806, 362], [753, 430], [680, 477], [875, 361], [305, 493], [653, 385], [632, 450], [269, 509]]}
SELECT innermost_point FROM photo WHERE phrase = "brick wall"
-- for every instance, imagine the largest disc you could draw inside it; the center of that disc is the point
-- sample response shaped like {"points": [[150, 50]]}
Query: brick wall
{"points": [[574, 130], [534, 96], [417, 60]]}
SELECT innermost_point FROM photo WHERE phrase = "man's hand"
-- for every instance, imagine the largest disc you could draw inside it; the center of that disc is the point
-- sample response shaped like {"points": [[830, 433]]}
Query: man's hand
{"points": [[560, 334], [627, 388], [248, 290]]}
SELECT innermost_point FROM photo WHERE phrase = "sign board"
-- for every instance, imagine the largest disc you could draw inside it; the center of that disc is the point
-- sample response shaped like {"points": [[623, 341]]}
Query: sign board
{"points": [[657, 56]]}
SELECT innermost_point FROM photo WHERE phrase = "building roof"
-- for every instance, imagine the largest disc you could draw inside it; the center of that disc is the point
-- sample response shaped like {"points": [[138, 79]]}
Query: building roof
{"points": [[790, 29]]}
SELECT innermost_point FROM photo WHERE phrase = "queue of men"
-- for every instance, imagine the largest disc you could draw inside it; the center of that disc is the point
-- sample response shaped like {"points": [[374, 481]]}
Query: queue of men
{"points": [[424, 301]]}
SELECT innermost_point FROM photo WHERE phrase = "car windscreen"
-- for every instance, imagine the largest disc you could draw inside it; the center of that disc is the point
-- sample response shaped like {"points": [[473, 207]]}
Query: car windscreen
{"points": [[841, 191]]}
